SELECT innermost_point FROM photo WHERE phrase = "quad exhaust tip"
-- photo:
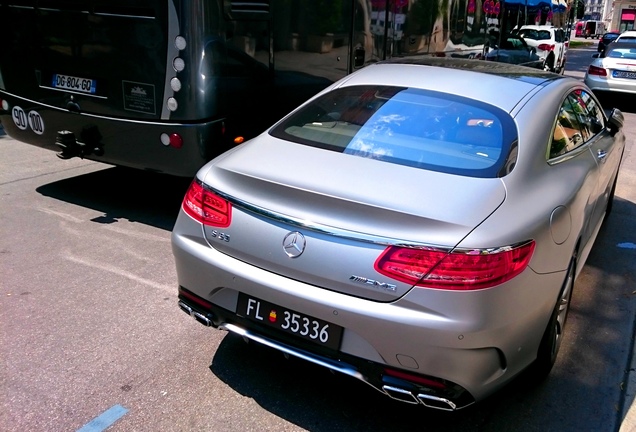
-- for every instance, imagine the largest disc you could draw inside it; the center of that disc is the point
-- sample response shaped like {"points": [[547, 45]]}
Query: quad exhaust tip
{"points": [[429, 401]]}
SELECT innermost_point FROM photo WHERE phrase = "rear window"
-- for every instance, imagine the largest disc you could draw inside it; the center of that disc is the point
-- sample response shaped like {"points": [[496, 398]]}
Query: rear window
{"points": [[406, 126], [624, 53], [535, 34]]}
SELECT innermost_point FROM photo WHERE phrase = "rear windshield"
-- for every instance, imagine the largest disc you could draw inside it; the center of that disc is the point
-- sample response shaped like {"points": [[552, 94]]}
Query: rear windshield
{"points": [[535, 34], [624, 53], [406, 126]]}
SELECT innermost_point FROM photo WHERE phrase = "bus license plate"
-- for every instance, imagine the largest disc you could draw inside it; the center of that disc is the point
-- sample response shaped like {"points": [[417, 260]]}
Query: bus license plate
{"points": [[624, 74], [291, 322], [68, 82]]}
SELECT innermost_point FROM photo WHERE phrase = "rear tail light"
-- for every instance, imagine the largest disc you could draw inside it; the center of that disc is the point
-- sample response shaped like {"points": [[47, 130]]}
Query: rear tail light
{"points": [[595, 70], [207, 207], [464, 270], [546, 47]]}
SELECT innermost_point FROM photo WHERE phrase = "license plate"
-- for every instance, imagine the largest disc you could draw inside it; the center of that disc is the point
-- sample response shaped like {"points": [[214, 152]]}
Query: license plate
{"points": [[289, 321], [624, 74], [68, 82]]}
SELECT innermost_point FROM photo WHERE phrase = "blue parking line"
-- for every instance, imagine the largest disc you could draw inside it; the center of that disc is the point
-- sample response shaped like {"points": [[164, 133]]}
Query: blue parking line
{"points": [[104, 420]]}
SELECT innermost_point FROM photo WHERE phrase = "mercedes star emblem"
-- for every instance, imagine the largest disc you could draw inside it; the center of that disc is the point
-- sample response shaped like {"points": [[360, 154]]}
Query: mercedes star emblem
{"points": [[294, 244]]}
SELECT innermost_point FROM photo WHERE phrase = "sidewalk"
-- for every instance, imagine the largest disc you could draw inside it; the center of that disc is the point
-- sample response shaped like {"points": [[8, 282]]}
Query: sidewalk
{"points": [[628, 411]]}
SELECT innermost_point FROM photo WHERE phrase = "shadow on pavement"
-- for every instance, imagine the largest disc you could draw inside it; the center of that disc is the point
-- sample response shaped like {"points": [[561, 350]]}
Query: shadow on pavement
{"points": [[135, 195], [624, 102]]}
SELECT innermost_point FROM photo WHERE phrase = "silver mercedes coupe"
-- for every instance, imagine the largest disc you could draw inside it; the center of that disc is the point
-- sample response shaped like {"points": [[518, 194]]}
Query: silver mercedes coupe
{"points": [[418, 225]]}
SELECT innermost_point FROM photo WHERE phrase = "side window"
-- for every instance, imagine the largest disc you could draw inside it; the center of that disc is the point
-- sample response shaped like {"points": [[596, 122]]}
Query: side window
{"points": [[595, 119], [568, 132]]}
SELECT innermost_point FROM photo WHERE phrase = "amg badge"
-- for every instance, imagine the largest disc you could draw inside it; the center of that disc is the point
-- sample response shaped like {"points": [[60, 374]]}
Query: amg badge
{"points": [[383, 285]]}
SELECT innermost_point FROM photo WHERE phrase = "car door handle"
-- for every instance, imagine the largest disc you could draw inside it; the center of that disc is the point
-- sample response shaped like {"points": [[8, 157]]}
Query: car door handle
{"points": [[601, 155]]}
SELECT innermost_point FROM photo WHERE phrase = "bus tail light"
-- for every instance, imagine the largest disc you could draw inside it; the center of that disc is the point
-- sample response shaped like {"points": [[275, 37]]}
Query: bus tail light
{"points": [[206, 207], [173, 140]]}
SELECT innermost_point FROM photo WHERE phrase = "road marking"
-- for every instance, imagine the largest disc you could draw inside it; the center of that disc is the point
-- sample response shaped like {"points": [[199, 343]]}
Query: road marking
{"points": [[627, 245], [119, 272], [104, 420]]}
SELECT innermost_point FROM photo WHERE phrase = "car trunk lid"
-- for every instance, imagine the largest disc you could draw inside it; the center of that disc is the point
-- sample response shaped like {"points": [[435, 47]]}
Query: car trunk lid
{"points": [[347, 208]]}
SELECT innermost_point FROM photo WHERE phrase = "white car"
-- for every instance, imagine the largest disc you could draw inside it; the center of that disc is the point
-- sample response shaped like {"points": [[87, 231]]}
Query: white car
{"points": [[627, 36], [550, 43], [614, 70]]}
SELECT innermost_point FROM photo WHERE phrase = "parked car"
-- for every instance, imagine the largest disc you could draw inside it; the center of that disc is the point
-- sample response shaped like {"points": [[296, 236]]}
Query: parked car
{"points": [[513, 49], [606, 39], [613, 70], [550, 43], [627, 36], [417, 235]]}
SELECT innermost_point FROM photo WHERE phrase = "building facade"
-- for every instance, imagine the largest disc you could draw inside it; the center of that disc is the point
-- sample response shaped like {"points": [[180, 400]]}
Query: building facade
{"points": [[622, 15]]}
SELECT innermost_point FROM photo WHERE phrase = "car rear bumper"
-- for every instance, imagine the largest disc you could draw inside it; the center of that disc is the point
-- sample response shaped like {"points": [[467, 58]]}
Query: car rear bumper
{"points": [[609, 84], [473, 343]]}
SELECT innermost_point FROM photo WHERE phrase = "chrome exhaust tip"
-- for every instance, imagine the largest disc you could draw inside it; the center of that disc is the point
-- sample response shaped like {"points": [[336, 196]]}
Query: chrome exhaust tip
{"points": [[428, 401], [205, 320], [436, 402], [400, 394]]}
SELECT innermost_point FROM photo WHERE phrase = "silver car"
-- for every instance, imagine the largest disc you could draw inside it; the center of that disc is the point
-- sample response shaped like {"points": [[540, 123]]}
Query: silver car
{"points": [[614, 70], [406, 227]]}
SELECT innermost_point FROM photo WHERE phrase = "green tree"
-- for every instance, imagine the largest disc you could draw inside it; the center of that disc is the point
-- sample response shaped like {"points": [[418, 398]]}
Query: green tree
{"points": [[422, 16]]}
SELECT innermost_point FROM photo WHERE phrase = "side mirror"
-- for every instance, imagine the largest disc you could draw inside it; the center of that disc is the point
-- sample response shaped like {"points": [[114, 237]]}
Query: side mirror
{"points": [[597, 55], [616, 121]]}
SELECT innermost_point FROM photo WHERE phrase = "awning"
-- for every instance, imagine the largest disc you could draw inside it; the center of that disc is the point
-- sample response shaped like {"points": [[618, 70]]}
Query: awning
{"points": [[559, 5]]}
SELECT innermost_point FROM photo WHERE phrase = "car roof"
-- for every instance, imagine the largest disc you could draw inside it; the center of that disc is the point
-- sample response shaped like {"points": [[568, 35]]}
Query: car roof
{"points": [[444, 74], [628, 33]]}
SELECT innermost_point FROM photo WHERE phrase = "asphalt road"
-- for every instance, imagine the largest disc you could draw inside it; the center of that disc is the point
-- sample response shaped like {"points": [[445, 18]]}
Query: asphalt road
{"points": [[90, 328]]}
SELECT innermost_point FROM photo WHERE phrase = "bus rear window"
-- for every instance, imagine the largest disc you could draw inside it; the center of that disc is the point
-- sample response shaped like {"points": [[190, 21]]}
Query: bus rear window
{"points": [[405, 126]]}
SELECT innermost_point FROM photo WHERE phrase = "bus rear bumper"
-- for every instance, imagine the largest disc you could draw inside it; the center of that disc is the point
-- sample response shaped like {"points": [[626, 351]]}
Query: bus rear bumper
{"points": [[147, 145]]}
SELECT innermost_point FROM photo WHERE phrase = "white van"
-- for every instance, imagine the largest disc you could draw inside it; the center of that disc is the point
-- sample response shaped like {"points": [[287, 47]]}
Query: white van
{"points": [[593, 29]]}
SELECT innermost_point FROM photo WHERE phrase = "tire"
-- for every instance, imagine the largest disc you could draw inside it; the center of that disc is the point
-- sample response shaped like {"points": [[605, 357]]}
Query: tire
{"points": [[562, 68], [610, 199], [548, 66], [553, 335]]}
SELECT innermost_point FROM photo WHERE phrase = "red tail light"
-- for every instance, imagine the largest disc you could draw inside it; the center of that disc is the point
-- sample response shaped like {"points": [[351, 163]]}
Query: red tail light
{"points": [[546, 47], [472, 270], [207, 207], [595, 70]]}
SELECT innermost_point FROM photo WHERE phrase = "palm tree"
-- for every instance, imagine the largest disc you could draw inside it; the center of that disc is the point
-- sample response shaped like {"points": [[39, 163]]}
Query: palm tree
{"points": [[443, 12]]}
